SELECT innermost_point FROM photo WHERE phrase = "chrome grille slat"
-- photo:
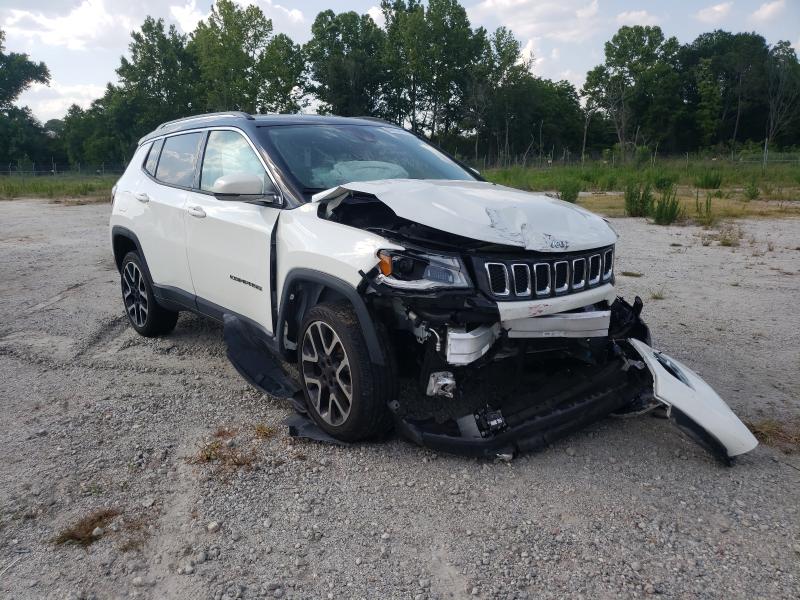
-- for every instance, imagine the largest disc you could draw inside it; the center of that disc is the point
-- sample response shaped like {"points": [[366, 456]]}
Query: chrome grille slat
{"points": [[541, 270], [494, 270], [558, 266], [522, 279], [578, 270]]}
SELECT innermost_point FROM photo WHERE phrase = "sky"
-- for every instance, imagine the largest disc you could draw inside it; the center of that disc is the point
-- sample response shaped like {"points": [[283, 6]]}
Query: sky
{"points": [[81, 41]]}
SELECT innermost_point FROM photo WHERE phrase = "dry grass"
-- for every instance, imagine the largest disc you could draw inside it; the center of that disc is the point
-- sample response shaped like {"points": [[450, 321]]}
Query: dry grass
{"points": [[81, 531], [658, 294], [264, 431], [223, 456], [784, 436]]}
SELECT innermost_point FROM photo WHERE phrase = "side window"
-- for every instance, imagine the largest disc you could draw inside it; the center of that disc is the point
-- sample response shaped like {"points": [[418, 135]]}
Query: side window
{"points": [[228, 152], [176, 165], [152, 157]]}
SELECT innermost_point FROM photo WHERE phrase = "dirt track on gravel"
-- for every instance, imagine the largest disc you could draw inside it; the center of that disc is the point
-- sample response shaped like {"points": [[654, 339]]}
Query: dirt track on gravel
{"points": [[94, 416]]}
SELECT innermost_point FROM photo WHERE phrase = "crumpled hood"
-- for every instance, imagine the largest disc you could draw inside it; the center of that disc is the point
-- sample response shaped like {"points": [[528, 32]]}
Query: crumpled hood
{"points": [[485, 211]]}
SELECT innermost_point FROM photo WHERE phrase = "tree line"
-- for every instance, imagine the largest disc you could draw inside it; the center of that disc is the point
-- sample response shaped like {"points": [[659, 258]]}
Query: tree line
{"points": [[469, 90]]}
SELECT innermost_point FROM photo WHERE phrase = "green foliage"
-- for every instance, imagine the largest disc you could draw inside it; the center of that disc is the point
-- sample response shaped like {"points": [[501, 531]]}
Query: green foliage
{"points": [[638, 199], [663, 180], [17, 73], [751, 191], [709, 180], [704, 214], [667, 208], [59, 186], [568, 189]]}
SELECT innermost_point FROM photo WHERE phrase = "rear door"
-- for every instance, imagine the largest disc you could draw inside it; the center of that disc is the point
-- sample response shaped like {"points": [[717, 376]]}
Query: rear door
{"points": [[161, 198], [228, 241]]}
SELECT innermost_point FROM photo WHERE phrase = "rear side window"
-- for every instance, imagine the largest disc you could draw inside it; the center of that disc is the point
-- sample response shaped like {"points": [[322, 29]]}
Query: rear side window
{"points": [[227, 152], [176, 165], [152, 157]]}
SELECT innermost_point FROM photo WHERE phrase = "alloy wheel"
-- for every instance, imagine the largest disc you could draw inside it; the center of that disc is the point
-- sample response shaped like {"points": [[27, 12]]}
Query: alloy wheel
{"points": [[134, 294], [326, 373]]}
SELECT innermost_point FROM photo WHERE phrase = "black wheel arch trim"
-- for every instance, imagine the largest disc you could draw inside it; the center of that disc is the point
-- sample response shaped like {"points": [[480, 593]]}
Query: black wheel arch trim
{"points": [[320, 281]]}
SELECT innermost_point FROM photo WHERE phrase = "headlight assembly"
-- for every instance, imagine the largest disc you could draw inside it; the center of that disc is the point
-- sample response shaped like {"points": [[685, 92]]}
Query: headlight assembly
{"points": [[421, 271]]}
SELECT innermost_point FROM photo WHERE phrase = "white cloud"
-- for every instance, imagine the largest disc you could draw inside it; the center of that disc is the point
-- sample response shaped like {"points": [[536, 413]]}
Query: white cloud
{"points": [[293, 14], [566, 21], [555, 54], [187, 16], [636, 17], [588, 11], [377, 15], [88, 24], [769, 10], [52, 102], [714, 14]]}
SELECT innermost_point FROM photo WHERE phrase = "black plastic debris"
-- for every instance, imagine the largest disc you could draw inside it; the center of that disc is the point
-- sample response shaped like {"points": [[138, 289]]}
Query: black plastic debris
{"points": [[302, 427]]}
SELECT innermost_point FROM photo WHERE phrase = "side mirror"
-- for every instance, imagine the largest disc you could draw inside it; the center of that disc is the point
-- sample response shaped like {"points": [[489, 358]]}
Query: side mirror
{"points": [[252, 187]]}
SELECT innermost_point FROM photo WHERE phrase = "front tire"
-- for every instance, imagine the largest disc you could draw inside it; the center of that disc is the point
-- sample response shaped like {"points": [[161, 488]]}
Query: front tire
{"points": [[345, 393], [145, 315]]}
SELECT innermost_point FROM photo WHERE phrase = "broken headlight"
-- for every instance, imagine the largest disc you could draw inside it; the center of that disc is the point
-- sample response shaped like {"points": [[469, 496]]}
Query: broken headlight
{"points": [[421, 271]]}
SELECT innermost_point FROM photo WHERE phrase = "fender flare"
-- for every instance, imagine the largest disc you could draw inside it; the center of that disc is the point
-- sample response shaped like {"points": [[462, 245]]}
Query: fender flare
{"points": [[323, 280], [119, 231]]}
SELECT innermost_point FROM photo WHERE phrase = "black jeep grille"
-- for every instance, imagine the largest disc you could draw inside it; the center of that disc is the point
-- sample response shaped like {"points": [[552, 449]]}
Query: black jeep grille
{"points": [[536, 275]]}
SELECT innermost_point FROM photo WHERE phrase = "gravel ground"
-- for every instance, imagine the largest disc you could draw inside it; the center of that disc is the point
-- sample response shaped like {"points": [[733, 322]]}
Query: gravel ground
{"points": [[95, 417]]}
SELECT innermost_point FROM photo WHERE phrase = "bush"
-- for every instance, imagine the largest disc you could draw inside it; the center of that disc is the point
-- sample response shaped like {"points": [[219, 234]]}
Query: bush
{"points": [[667, 209], [663, 181], [709, 180], [751, 191], [568, 189], [638, 199]]}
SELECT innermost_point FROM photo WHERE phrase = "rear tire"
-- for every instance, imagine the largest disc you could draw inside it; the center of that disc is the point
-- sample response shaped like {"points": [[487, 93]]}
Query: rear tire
{"points": [[145, 315], [345, 393]]}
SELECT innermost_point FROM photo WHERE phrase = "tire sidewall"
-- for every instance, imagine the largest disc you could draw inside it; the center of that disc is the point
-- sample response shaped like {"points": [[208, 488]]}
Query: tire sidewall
{"points": [[148, 327], [360, 373]]}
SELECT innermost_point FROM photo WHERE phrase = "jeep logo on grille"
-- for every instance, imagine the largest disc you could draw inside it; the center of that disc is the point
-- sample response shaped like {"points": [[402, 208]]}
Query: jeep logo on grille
{"points": [[552, 242]]}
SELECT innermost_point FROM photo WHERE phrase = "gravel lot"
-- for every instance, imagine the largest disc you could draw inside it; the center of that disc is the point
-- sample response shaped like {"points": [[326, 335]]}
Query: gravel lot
{"points": [[96, 417]]}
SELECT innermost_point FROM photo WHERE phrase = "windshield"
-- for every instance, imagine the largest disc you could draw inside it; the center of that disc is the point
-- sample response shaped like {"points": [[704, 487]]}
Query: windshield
{"points": [[323, 156]]}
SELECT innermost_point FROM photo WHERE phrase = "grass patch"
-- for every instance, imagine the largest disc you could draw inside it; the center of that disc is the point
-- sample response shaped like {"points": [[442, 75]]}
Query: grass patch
{"points": [[569, 189], [658, 294], [81, 532], [57, 186], [667, 209], [704, 214], [751, 191], [631, 274], [782, 435], [709, 180], [638, 199]]}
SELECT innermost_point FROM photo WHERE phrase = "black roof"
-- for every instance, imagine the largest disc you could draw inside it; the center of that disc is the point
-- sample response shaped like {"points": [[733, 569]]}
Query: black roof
{"points": [[247, 122]]}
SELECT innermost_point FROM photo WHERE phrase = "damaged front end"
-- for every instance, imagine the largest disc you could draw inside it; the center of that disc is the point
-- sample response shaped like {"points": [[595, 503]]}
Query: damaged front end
{"points": [[504, 349]]}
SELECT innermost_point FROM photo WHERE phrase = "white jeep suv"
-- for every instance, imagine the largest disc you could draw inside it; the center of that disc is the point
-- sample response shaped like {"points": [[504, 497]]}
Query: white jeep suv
{"points": [[377, 263]]}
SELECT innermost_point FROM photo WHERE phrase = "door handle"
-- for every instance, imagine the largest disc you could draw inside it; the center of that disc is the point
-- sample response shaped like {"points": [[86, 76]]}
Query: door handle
{"points": [[197, 211], [142, 197]]}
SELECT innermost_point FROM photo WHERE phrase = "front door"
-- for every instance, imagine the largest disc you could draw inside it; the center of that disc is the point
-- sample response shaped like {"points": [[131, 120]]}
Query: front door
{"points": [[228, 241]]}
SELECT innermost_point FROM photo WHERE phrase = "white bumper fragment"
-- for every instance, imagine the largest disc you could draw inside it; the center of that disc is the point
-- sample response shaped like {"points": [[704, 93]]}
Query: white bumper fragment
{"points": [[522, 309], [676, 385]]}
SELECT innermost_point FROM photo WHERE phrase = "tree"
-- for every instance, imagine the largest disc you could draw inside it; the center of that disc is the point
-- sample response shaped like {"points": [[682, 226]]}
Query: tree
{"points": [[229, 48], [708, 109], [638, 84], [17, 73], [404, 60], [161, 73], [344, 61], [783, 91]]}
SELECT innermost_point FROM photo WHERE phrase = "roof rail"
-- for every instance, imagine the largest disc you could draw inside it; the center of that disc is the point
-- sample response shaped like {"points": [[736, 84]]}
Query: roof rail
{"points": [[228, 113], [377, 120]]}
